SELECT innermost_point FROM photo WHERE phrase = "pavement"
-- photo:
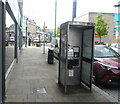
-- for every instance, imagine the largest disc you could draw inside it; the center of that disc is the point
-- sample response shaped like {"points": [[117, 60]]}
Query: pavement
{"points": [[32, 79]]}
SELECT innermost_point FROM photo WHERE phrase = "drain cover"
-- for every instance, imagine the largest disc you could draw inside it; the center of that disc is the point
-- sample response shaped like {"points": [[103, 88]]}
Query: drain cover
{"points": [[39, 90]]}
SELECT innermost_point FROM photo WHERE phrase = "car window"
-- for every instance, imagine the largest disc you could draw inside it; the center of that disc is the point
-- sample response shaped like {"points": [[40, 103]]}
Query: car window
{"points": [[118, 46], [101, 51], [53, 42], [113, 45]]}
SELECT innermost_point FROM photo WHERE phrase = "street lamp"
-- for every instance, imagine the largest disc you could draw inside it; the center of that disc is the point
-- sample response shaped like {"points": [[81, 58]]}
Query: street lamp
{"points": [[26, 32], [74, 10], [55, 17], [44, 27]]}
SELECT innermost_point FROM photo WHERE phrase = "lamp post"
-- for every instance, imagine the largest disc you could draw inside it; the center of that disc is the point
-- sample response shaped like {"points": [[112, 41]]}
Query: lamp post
{"points": [[26, 32], [44, 38], [55, 17], [74, 10]]}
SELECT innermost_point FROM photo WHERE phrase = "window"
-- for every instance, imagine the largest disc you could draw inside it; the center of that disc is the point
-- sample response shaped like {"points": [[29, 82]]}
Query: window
{"points": [[9, 41]]}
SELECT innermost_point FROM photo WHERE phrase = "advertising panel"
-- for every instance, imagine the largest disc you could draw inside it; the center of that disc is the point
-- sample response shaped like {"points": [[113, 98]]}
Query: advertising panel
{"points": [[117, 24]]}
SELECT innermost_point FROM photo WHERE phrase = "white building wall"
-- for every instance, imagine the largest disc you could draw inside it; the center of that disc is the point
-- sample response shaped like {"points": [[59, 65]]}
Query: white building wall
{"points": [[83, 18], [32, 27]]}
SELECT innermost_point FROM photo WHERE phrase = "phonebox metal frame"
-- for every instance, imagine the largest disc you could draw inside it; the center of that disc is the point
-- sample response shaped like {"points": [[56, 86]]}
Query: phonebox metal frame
{"points": [[78, 34], [2, 52]]}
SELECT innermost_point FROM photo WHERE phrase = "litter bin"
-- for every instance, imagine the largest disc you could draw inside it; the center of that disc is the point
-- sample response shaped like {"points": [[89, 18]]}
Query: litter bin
{"points": [[50, 56]]}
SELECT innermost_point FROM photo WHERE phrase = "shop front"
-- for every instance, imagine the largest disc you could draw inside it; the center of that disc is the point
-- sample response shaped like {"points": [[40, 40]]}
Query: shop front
{"points": [[10, 39]]}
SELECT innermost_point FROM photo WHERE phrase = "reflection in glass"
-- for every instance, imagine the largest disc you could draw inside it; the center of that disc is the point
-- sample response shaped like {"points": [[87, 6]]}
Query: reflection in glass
{"points": [[86, 72], [63, 46], [9, 41]]}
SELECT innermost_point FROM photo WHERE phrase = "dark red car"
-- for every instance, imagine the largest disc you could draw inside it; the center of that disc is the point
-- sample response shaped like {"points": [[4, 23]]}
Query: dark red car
{"points": [[106, 64]]}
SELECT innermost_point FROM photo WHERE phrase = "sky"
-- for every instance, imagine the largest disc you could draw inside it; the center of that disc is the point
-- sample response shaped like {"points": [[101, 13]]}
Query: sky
{"points": [[44, 10]]}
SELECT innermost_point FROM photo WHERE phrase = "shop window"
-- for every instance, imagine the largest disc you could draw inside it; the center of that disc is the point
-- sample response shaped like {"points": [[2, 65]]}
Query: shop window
{"points": [[9, 41]]}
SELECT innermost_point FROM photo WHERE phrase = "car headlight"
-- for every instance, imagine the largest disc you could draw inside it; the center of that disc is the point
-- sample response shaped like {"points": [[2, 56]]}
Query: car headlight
{"points": [[107, 67]]}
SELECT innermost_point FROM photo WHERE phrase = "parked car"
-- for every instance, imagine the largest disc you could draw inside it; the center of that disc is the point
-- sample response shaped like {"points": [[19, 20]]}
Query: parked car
{"points": [[55, 42], [36, 40], [106, 66], [12, 39], [100, 43], [6, 42], [116, 47], [55, 45]]}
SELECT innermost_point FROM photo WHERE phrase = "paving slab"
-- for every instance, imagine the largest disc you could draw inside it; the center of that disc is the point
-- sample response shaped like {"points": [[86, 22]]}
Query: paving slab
{"points": [[32, 72]]}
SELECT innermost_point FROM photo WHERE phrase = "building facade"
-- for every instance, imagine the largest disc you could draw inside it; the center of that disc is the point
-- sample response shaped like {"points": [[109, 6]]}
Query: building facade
{"points": [[108, 17], [11, 13], [13, 21], [32, 26]]}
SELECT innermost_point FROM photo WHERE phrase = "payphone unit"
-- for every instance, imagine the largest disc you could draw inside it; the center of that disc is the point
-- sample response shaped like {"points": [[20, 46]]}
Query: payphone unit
{"points": [[76, 38]]}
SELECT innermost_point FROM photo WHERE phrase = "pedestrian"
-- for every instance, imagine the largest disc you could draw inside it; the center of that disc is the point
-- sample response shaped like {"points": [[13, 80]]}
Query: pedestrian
{"points": [[29, 42]]}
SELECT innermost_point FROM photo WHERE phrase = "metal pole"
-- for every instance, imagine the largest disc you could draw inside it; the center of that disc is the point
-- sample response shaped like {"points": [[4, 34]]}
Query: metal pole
{"points": [[26, 32], [39, 39], [44, 39], [74, 10], [55, 17], [16, 40], [2, 52]]}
